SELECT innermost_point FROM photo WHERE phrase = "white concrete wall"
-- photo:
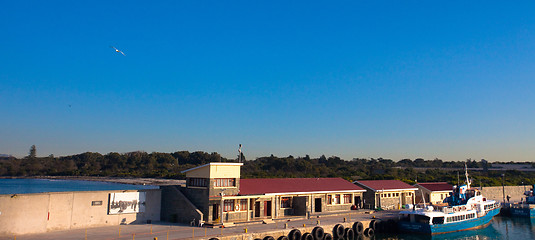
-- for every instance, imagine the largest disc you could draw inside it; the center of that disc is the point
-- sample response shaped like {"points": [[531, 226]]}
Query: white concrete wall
{"points": [[43, 212]]}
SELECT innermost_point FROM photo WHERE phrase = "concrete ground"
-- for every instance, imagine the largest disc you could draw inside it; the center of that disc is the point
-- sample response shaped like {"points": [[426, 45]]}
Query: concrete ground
{"points": [[166, 231]]}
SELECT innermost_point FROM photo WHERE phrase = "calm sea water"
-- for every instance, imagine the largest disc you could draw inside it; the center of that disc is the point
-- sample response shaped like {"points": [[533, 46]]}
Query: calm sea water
{"points": [[500, 228], [19, 186]]}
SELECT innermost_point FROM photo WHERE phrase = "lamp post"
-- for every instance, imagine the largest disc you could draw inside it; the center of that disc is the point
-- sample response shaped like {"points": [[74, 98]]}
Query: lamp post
{"points": [[503, 187]]}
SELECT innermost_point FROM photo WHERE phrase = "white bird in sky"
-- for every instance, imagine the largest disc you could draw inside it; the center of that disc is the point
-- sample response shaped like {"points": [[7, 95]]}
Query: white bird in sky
{"points": [[117, 50]]}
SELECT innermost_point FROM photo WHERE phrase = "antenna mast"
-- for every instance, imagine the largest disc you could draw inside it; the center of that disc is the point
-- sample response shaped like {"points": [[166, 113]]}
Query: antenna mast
{"points": [[466, 175]]}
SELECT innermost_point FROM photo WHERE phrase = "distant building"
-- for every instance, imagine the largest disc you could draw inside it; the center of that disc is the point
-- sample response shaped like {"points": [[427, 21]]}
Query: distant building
{"points": [[433, 192], [386, 194], [221, 197]]}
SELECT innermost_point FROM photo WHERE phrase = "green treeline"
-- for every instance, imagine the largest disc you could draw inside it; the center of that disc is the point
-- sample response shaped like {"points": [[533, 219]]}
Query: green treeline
{"points": [[169, 165]]}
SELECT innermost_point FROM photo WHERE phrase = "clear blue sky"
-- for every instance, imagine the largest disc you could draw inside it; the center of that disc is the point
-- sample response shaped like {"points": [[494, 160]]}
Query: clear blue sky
{"points": [[393, 79]]}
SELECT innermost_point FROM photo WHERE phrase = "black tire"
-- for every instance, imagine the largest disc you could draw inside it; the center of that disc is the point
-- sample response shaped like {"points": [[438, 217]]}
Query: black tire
{"points": [[338, 231], [282, 238], [318, 233], [358, 228], [349, 234], [359, 237], [373, 224], [214, 239], [327, 236], [269, 238], [294, 235], [379, 226], [369, 232], [307, 236]]}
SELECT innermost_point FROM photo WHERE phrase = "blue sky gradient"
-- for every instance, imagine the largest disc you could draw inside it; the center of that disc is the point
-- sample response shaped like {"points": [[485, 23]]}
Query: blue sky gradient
{"points": [[367, 79]]}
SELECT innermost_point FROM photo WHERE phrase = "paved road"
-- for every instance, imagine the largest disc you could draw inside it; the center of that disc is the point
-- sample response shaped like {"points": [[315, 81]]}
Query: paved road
{"points": [[168, 231]]}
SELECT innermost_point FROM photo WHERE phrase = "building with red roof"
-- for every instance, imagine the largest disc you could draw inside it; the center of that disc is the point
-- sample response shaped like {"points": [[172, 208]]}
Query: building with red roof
{"points": [[219, 196], [433, 192], [386, 194]]}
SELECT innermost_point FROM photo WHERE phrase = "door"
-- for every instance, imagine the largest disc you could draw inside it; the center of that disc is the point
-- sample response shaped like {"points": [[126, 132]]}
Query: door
{"points": [[257, 209], [267, 208], [215, 212], [317, 205], [358, 202]]}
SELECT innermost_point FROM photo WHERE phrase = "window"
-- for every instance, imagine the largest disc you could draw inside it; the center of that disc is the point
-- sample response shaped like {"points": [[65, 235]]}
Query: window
{"points": [[438, 220], [337, 199], [389, 194], [347, 198], [224, 182], [228, 205], [397, 194], [198, 182], [286, 202], [243, 204], [329, 199]]}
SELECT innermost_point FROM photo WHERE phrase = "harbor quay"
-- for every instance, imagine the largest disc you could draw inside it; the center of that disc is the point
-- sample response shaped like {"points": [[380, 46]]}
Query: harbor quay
{"points": [[237, 231]]}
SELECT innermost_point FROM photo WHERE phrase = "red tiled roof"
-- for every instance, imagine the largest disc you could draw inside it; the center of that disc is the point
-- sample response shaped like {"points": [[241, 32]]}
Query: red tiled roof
{"points": [[436, 186], [257, 186], [385, 184]]}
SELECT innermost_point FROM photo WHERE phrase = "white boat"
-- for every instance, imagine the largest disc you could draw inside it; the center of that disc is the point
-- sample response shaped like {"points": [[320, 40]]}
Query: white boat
{"points": [[464, 209]]}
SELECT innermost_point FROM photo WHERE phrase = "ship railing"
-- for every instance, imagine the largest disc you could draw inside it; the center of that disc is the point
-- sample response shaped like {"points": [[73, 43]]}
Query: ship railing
{"points": [[447, 210]]}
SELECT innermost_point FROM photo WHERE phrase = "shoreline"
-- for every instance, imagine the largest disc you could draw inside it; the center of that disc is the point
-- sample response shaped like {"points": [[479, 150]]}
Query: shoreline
{"points": [[130, 181]]}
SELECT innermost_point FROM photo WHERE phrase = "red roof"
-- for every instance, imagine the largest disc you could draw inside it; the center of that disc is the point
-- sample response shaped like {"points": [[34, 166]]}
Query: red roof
{"points": [[258, 186], [436, 186], [385, 185]]}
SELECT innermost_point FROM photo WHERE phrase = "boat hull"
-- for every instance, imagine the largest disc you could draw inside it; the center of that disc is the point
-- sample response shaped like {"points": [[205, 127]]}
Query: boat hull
{"points": [[523, 212], [424, 228]]}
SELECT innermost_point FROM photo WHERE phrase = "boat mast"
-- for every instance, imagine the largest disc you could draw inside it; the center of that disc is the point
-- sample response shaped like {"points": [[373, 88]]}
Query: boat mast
{"points": [[466, 174]]}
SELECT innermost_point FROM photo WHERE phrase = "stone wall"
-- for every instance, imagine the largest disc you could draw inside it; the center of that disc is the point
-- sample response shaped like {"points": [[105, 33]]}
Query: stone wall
{"points": [[43, 212], [177, 208], [496, 193]]}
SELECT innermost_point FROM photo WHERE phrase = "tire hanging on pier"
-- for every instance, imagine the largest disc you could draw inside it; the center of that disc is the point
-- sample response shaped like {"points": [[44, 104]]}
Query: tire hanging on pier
{"points": [[349, 234], [269, 238], [214, 239], [379, 227], [373, 224], [294, 235], [369, 232], [282, 238], [318, 233], [358, 228], [307, 236], [327, 236], [338, 231]]}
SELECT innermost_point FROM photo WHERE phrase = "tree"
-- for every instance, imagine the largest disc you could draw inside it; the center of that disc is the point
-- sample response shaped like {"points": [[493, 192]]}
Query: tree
{"points": [[33, 152]]}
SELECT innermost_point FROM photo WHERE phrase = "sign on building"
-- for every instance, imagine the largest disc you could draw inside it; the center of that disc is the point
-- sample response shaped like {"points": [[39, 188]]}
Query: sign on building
{"points": [[127, 202]]}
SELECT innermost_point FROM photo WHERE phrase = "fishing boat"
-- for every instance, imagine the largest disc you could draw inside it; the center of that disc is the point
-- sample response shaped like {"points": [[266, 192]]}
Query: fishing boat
{"points": [[525, 208], [464, 209]]}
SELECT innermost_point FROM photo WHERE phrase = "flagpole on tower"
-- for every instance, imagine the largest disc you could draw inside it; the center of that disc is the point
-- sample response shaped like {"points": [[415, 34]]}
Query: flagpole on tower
{"points": [[239, 153]]}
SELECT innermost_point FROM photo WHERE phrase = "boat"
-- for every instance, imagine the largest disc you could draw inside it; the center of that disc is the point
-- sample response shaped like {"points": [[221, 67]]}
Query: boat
{"points": [[525, 208], [464, 209]]}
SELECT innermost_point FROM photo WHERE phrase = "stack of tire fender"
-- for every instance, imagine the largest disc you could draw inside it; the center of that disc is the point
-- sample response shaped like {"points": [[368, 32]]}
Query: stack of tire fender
{"points": [[389, 226], [359, 231], [317, 234], [339, 232]]}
